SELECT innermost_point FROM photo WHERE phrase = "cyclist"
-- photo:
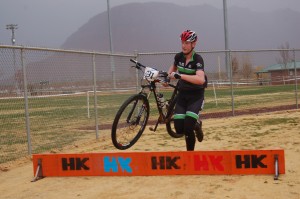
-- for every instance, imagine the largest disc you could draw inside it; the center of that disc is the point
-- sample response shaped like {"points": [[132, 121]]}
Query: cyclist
{"points": [[188, 68]]}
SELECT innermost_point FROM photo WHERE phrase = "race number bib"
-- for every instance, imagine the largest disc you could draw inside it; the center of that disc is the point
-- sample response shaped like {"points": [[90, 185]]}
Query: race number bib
{"points": [[150, 74]]}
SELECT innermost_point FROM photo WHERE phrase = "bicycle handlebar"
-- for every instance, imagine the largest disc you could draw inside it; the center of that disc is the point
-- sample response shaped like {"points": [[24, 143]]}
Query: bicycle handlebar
{"points": [[137, 64], [161, 73]]}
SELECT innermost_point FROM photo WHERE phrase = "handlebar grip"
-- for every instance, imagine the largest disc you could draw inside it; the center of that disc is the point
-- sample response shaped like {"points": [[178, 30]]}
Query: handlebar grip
{"points": [[134, 61]]}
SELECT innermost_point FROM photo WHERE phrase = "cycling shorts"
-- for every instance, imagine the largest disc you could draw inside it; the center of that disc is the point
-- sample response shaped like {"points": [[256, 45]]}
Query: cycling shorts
{"points": [[189, 104]]}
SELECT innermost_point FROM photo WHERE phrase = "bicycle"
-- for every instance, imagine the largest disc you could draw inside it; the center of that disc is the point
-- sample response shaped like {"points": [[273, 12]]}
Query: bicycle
{"points": [[132, 117]]}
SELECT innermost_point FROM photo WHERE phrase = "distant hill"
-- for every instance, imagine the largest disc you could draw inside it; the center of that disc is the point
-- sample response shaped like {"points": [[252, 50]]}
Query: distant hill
{"points": [[148, 27], [155, 27]]}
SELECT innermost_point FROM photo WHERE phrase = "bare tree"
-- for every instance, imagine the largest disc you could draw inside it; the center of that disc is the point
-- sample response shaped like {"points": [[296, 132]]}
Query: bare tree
{"points": [[261, 75], [285, 57], [247, 70], [234, 65]]}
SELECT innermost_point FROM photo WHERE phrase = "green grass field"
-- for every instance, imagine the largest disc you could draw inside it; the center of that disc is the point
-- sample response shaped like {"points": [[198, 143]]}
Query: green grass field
{"points": [[56, 122]]}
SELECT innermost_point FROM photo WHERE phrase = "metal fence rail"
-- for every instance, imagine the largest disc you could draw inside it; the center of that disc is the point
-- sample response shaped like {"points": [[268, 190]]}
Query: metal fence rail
{"points": [[52, 98]]}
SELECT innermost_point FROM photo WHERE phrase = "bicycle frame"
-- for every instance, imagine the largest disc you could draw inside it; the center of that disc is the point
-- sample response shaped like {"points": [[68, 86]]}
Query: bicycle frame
{"points": [[152, 87], [128, 127]]}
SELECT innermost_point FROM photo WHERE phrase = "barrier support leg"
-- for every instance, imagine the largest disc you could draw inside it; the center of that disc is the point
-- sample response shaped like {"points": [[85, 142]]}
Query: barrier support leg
{"points": [[39, 172], [276, 167]]}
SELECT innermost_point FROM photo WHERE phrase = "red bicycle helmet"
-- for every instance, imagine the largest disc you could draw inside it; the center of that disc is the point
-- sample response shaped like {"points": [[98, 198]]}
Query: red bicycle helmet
{"points": [[189, 36]]}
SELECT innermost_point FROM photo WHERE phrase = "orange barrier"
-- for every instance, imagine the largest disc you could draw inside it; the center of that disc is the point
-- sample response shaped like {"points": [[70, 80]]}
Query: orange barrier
{"points": [[161, 163]]}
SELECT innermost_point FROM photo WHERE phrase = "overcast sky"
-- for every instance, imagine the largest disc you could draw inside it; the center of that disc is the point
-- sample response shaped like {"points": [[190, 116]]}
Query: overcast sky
{"points": [[47, 23]]}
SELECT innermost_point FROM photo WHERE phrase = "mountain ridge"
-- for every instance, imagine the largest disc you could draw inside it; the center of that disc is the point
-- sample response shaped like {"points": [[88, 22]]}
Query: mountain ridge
{"points": [[148, 27]]}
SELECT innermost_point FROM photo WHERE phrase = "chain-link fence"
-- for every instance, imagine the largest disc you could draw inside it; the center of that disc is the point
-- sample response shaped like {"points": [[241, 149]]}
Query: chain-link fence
{"points": [[53, 98]]}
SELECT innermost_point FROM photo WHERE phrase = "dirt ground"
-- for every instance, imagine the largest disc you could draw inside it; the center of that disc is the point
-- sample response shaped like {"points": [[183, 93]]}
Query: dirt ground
{"points": [[261, 131]]}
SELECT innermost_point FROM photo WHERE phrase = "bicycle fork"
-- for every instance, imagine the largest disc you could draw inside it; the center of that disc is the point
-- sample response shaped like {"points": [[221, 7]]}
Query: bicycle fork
{"points": [[139, 114]]}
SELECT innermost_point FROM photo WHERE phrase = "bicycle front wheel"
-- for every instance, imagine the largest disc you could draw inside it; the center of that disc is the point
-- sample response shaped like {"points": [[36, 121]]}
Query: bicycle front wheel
{"points": [[130, 121]]}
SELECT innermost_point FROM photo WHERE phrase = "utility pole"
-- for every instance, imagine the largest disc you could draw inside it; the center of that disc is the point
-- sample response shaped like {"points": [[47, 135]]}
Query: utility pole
{"points": [[13, 27], [112, 63], [227, 61]]}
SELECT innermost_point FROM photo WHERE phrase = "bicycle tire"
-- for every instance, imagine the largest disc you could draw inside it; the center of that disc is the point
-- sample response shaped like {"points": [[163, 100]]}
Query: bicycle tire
{"points": [[198, 131], [170, 124], [129, 123]]}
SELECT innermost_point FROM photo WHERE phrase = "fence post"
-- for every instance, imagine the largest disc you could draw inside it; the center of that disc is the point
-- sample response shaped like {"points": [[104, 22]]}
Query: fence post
{"points": [[26, 103], [113, 70], [88, 104], [231, 83], [215, 94], [95, 96], [296, 79]]}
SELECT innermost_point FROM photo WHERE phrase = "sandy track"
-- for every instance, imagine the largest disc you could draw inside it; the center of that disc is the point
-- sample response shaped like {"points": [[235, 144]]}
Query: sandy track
{"points": [[261, 131]]}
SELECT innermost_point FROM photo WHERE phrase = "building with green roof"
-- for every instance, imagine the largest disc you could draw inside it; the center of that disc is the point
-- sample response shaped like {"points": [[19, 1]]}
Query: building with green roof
{"points": [[281, 73]]}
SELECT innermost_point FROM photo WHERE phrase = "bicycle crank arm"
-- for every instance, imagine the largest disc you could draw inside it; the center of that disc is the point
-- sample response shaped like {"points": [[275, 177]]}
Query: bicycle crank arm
{"points": [[151, 128]]}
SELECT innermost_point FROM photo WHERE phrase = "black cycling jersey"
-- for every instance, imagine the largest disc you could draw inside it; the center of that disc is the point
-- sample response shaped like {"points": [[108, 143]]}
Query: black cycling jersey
{"points": [[196, 63]]}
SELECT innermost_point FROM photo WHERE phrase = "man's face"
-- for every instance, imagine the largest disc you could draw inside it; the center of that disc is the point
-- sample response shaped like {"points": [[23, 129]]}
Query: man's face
{"points": [[187, 47]]}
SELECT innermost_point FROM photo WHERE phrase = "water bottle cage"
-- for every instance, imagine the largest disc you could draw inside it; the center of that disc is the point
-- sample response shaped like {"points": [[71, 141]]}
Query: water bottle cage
{"points": [[161, 101], [161, 104]]}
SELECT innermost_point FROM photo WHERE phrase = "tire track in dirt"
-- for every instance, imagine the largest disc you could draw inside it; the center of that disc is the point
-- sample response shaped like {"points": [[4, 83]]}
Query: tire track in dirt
{"points": [[221, 114]]}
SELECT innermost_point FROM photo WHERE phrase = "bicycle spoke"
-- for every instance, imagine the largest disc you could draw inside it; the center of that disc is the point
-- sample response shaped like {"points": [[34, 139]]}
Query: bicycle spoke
{"points": [[125, 135]]}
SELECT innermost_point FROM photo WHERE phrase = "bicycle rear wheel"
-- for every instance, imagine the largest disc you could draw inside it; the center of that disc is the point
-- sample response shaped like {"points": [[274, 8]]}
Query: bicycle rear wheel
{"points": [[172, 132], [130, 122], [171, 129], [170, 124]]}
